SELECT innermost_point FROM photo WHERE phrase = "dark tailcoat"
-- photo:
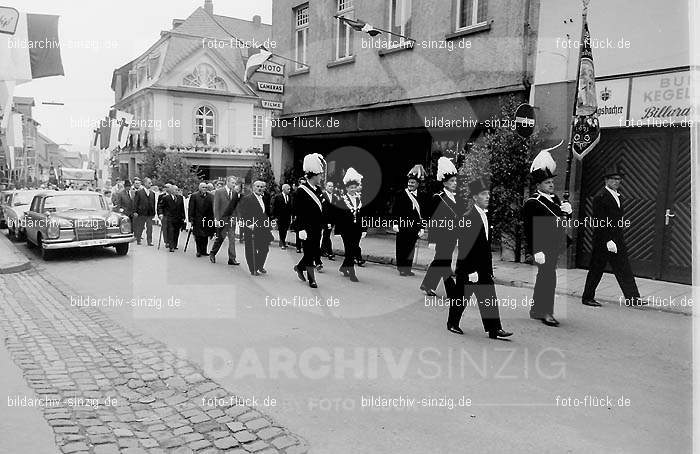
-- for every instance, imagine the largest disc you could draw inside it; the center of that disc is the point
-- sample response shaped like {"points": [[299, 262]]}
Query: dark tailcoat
{"points": [[349, 225], [442, 230], [173, 211], [145, 205], [308, 212], [409, 221], [257, 234], [201, 214]]}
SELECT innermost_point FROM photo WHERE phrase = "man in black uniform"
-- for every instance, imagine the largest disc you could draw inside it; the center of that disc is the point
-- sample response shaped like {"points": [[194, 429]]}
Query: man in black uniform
{"points": [[348, 222], [609, 242], [545, 235], [442, 228], [171, 211], [296, 230], [254, 212], [308, 210], [475, 267], [408, 221], [282, 212], [201, 216], [331, 201]]}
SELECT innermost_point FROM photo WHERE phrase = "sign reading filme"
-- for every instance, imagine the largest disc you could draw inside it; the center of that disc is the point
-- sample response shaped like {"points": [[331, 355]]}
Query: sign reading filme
{"points": [[268, 104], [270, 87]]}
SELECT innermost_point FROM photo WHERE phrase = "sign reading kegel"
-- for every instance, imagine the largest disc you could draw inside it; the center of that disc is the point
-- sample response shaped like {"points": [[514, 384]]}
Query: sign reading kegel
{"points": [[271, 68], [8, 20], [275, 105], [270, 87]]}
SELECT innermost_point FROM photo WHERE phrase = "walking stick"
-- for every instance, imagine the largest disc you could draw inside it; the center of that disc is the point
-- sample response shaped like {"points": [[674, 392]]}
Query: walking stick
{"points": [[189, 234], [160, 236]]}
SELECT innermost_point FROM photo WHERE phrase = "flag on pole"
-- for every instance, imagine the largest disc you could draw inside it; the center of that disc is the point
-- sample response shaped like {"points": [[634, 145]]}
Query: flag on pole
{"points": [[254, 62], [122, 126], [360, 26], [32, 51], [7, 89], [585, 130]]}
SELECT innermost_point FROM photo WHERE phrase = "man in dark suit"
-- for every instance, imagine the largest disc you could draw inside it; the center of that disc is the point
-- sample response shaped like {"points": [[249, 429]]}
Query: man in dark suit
{"points": [[308, 211], [282, 212], [144, 210], [475, 267], [442, 228], [171, 211], [347, 213], [298, 240], [331, 201], [408, 221], [124, 202], [225, 203], [201, 217], [254, 212], [609, 242]]}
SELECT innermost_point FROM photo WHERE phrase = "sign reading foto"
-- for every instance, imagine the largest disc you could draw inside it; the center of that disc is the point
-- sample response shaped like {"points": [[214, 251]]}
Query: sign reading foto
{"points": [[267, 104], [270, 87], [8, 20], [271, 68]]}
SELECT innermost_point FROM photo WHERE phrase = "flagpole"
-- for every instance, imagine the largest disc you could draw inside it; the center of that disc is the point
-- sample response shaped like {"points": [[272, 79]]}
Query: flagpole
{"points": [[384, 31], [570, 149]]}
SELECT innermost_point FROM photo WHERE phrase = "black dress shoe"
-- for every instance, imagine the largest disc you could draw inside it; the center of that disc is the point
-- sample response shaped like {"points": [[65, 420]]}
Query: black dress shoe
{"points": [[429, 292], [403, 273], [345, 272], [198, 254], [410, 273], [262, 270], [331, 258], [171, 250], [499, 333], [254, 273], [353, 277], [212, 258], [234, 262], [313, 284], [300, 273], [454, 329], [319, 268], [549, 320], [592, 303], [150, 244], [138, 242]]}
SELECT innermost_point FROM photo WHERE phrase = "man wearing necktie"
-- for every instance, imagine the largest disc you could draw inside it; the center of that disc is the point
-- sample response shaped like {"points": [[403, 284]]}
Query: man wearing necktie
{"points": [[609, 243], [255, 222], [282, 212], [225, 202], [408, 221], [475, 267], [326, 243], [171, 211]]}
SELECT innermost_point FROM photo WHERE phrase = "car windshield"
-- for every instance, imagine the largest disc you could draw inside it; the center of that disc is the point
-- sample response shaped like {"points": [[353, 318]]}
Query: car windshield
{"points": [[74, 202], [22, 198]]}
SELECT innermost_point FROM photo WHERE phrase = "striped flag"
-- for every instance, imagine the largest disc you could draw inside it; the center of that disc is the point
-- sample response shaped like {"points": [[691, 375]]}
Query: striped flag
{"points": [[32, 51], [254, 62], [7, 89], [360, 26]]}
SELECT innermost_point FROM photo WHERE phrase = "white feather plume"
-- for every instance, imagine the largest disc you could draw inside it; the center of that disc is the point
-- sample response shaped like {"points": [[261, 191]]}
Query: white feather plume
{"points": [[417, 171], [352, 175], [544, 160], [314, 163], [445, 167]]}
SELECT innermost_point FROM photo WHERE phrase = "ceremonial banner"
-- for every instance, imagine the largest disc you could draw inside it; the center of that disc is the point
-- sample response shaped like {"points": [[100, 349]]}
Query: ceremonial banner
{"points": [[7, 89], [585, 130]]}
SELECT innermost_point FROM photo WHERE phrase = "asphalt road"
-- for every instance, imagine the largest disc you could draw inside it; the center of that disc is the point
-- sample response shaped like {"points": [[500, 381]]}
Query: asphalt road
{"points": [[323, 365]]}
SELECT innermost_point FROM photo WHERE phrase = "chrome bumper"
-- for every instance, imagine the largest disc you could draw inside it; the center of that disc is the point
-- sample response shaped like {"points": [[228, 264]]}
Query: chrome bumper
{"points": [[48, 244]]}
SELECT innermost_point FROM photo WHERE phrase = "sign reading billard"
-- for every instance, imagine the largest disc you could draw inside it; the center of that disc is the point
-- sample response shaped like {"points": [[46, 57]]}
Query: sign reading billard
{"points": [[267, 104], [270, 87], [271, 68], [8, 20]]}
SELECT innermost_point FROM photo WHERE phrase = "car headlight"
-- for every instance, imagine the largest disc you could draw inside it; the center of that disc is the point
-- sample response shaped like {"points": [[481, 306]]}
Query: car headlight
{"points": [[53, 231], [113, 220], [125, 225]]}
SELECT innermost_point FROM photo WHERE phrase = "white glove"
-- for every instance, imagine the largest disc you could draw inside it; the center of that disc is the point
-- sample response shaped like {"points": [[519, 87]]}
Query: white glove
{"points": [[364, 234], [566, 208], [474, 277], [395, 228], [539, 258], [612, 247], [302, 235], [431, 246], [189, 226], [328, 226], [421, 232]]}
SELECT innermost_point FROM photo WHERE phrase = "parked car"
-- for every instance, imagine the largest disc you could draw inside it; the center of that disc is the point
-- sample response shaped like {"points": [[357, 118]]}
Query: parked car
{"points": [[4, 195], [75, 219], [16, 205]]}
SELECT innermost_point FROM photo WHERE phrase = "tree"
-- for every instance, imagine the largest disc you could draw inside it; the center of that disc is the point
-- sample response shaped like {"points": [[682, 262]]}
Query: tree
{"points": [[175, 169], [150, 161], [262, 170]]}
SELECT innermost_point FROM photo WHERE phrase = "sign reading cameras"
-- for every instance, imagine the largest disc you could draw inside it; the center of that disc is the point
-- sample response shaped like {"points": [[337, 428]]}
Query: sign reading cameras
{"points": [[270, 87]]}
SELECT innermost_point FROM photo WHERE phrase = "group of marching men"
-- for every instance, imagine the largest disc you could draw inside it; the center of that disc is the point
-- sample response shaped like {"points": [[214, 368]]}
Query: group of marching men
{"points": [[314, 213]]}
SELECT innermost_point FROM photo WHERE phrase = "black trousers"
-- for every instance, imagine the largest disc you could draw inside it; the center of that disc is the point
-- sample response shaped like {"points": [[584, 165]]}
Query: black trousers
{"points": [[545, 286], [351, 245], [441, 266], [485, 293], [201, 241], [227, 231], [405, 249], [621, 267], [256, 250], [298, 240], [312, 249], [142, 222], [326, 243], [283, 228], [171, 231]]}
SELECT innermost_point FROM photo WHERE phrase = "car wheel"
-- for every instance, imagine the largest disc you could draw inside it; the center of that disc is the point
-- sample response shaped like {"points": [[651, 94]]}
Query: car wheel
{"points": [[46, 254], [30, 244], [3, 225], [122, 248], [20, 235]]}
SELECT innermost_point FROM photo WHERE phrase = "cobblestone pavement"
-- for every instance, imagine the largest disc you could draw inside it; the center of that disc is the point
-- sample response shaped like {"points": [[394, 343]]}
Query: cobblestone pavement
{"points": [[107, 390]]}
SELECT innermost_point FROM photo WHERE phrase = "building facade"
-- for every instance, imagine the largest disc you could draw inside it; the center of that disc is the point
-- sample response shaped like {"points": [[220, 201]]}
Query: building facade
{"points": [[187, 94], [380, 104], [644, 103]]}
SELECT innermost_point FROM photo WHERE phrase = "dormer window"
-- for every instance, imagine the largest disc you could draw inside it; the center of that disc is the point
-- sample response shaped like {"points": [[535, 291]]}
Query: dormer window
{"points": [[204, 76]]}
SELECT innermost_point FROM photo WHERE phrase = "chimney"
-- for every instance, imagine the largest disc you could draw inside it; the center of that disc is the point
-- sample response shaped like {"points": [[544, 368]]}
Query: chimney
{"points": [[177, 23], [209, 6], [256, 20]]}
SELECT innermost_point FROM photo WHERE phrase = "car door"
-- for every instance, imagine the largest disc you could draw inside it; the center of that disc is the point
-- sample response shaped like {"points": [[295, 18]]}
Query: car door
{"points": [[32, 217]]}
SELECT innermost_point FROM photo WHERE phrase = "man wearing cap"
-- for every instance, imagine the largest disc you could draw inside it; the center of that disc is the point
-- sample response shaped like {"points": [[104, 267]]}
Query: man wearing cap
{"points": [[609, 242], [475, 267], [442, 228], [308, 211], [543, 214], [407, 221]]}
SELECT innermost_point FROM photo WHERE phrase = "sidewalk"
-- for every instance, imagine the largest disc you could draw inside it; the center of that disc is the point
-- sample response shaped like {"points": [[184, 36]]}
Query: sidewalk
{"points": [[663, 296], [11, 260]]}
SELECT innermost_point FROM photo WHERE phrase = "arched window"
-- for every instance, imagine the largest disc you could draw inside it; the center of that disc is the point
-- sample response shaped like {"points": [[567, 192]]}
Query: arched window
{"points": [[204, 76], [204, 121]]}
